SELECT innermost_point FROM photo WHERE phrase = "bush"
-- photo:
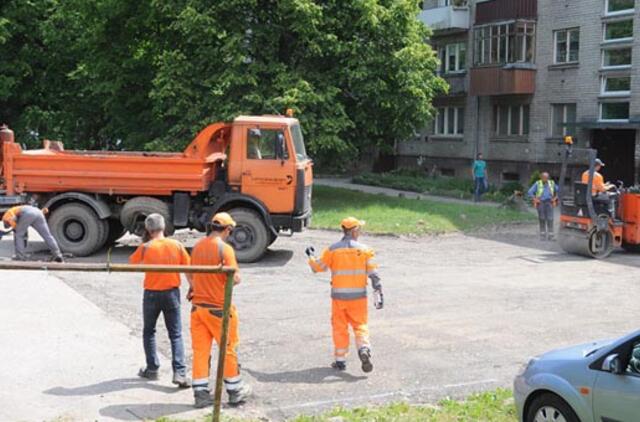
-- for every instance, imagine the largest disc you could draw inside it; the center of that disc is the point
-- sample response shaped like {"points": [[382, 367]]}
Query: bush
{"points": [[508, 188]]}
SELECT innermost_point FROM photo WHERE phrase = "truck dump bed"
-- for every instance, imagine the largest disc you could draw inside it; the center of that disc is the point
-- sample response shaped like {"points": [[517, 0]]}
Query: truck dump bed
{"points": [[52, 169]]}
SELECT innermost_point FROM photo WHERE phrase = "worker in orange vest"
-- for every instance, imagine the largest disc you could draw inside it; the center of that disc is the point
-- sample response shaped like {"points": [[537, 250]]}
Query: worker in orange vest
{"points": [[350, 263], [599, 189], [162, 296], [206, 316], [19, 219]]}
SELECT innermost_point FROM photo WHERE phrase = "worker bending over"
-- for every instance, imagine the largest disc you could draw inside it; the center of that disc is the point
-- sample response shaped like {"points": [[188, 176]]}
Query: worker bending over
{"points": [[206, 316], [545, 196], [162, 296], [599, 188], [19, 219], [350, 263]]}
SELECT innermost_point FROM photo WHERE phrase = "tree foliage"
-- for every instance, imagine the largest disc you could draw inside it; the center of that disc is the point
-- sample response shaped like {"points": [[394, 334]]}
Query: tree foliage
{"points": [[149, 74]]}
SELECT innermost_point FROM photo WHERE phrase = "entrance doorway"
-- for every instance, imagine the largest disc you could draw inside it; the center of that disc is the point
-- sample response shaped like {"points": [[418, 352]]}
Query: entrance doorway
{"points": [[616, 147]]}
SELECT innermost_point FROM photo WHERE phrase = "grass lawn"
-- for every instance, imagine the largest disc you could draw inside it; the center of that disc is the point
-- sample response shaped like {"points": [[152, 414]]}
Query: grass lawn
{"points": [[493, 406], [385, 214]]}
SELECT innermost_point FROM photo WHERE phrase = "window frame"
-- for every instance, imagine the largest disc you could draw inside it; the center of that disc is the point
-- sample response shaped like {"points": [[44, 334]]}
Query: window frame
{"points": [[457, 66], [601, 108], [617, 66], [510, 108], [617, 12], [567, 43], [617, 40], [565, 109], [282, 131], [448, 112], [603, 86], [499, 32]]}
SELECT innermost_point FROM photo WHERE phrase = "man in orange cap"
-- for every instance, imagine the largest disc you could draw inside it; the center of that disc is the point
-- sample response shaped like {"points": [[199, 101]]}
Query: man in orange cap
{"points": [[350, 263], [206, 316]]}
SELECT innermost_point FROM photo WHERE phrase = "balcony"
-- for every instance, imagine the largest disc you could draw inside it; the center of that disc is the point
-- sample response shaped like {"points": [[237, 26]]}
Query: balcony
{"points": [[502, 80], [446, 18]]}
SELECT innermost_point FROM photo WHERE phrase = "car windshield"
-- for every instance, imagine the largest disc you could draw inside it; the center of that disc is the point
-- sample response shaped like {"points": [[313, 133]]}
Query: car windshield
{"points": [[298, 142]]}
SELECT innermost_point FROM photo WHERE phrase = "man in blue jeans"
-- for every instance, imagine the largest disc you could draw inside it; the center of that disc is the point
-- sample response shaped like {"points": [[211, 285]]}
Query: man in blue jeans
{"points": [[162, 295], [479, 172]]}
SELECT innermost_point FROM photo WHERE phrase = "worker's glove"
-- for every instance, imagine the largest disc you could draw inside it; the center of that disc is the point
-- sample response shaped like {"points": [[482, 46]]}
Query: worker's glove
{"points": [[310, 251], [378, 298], [4, 233], [190, 294]]}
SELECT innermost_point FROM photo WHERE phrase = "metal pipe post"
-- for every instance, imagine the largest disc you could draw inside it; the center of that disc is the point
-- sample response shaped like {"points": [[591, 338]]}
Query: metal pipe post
{"points": [[226, 312]]}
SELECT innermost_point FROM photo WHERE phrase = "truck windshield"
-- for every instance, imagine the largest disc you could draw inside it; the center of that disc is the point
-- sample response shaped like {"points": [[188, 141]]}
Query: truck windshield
{"points": [[298, 142]]}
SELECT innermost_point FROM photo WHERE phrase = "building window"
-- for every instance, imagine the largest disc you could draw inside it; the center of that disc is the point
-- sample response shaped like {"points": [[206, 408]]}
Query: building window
{"points": [[563, 119], [511, 120], [618, 31], [567, 44], [504, 43], [453, 58], [616, 85], [619, 6], [456, 3], [449, 121], [614, 111], [619, 57]]}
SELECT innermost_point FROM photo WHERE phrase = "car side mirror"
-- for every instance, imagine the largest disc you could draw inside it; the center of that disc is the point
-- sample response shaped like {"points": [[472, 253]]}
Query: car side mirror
{"points": [[612, 364], [280, 147]]}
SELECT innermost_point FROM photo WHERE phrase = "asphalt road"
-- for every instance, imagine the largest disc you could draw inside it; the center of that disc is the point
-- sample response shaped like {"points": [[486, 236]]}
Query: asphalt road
{"points": [[462, 314]]}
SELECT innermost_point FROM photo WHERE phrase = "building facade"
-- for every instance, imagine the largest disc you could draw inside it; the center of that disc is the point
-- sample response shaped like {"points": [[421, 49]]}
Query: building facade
{"points": [[524, 73]]}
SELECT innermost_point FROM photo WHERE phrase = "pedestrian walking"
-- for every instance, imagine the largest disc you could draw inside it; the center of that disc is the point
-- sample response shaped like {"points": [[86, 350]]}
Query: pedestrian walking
{"points": [[544, 194], [350, 263], [206, 316], [162, 296], [479, 174], [19, 219]]}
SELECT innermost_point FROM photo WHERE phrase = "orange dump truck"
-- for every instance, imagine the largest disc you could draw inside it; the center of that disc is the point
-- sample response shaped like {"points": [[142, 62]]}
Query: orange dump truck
{"points": [[255, 168]]}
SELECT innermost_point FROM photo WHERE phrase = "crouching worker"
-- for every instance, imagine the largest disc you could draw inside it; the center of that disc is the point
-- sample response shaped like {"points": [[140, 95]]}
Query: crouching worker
{"points": [[350, 263], [206, 315], [162, 295], [19, 219]]}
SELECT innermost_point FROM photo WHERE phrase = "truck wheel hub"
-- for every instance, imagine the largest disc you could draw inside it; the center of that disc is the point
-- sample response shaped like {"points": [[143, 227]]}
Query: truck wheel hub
{"points": [[74, 230], [242, 237]]}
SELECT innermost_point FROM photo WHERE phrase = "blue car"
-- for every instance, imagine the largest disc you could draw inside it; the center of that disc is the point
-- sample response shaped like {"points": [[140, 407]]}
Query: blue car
{"points": [[593, 382]]}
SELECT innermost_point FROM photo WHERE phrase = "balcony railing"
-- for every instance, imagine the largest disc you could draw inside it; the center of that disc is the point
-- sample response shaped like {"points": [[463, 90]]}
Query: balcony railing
{"points": [[502, 80], [446, 18]]}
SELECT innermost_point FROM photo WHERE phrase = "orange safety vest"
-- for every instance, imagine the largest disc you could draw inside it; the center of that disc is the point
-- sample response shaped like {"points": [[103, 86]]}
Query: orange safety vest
{"points": [[350, 263], [10, 217]]}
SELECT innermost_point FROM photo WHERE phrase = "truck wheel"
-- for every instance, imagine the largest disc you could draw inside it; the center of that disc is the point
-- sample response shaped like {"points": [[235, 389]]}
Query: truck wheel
{"points": [[250, 237], [78, 229], [116, 231], [137, 209]]}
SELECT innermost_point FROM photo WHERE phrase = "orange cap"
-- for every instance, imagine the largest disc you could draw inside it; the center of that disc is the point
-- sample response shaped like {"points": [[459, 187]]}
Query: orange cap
{"points": [[351, 223], [223, 219]]}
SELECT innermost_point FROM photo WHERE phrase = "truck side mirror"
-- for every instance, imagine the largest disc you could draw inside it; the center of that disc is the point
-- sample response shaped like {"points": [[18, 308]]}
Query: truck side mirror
{"points": [[280, 147]]}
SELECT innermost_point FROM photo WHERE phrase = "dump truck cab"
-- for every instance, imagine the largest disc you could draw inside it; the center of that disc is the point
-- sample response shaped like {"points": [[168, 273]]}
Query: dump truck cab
{"points": [[255, 167]]}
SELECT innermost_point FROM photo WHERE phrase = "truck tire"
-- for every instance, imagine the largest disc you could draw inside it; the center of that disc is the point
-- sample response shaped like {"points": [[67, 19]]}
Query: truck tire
{"points": [[250, 237], [116, 231], [137, 209], [78, 229]]}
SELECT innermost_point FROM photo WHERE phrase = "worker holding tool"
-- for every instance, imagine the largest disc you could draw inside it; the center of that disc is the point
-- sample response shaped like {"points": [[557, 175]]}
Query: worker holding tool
{"points": [[544, 194], [19, 219], [162, 296], [350, 263], [207, 296]]}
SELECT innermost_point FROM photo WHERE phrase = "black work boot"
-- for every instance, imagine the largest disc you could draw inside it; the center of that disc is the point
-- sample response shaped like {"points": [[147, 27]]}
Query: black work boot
{"points": [[202, 399], [149, 374], [339, 365], [57, 258], [181, 380], [239, 396], [365, 357]]}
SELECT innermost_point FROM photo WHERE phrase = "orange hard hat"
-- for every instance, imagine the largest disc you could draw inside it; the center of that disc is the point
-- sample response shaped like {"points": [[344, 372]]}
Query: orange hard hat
{"points": [[223, 219], [351, 223]]}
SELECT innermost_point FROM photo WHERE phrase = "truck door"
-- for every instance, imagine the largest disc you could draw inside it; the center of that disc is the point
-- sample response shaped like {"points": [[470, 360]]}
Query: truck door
{"points": [[268, 171]]}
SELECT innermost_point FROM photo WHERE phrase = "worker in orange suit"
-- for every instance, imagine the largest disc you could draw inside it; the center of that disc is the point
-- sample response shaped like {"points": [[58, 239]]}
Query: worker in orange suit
{"points": [[19, 219], [206, 316], [161, 296], [350, 263]]}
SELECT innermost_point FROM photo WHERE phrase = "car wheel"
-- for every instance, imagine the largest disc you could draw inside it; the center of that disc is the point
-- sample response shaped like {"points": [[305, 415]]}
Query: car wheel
{"points": [[550, 408]]}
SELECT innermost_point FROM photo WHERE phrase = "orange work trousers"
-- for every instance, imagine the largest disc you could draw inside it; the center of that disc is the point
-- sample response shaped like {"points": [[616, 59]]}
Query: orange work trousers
{"points": [[206, 326], [345, 313]]}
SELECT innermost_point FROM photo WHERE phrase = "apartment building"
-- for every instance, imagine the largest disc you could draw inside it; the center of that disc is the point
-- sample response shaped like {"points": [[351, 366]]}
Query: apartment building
{"points": [[524, 73]]}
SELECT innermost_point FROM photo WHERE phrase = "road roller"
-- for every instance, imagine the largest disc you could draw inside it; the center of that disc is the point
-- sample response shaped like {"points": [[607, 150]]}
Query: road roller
{"points": [[595, 227]]}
